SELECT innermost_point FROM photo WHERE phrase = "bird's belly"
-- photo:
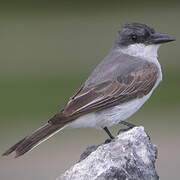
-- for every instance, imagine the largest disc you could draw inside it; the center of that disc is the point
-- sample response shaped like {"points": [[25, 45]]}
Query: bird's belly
{"points": [[116, 114], [110, 116]]}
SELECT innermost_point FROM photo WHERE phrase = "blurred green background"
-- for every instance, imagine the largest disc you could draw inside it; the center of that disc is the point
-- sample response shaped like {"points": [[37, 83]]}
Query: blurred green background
{"points": [[47, 50]]}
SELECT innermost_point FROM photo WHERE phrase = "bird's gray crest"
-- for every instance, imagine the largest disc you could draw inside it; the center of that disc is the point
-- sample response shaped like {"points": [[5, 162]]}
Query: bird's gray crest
{"points": [[138, 26]]}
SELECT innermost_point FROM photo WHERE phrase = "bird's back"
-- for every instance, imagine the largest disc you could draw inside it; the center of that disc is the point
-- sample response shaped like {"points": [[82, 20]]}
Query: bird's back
{"points": [[118, 63]]}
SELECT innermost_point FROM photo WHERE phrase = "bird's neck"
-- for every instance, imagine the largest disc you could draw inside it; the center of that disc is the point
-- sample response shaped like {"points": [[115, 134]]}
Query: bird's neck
{"points": [[148, 52]]}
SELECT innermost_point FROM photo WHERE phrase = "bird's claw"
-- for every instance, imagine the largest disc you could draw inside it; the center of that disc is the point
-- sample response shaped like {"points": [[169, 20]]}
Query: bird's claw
{"points": [[124, 130]]}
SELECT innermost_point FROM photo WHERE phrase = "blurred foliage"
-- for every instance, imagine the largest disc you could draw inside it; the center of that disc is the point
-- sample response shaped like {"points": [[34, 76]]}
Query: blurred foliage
{"points": [[80, 4], [45, 57]]}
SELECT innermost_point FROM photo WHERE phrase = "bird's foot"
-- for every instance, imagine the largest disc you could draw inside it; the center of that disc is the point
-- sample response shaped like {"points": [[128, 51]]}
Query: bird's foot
{"points": [[108, 141], [129, 125], [124, 130]]}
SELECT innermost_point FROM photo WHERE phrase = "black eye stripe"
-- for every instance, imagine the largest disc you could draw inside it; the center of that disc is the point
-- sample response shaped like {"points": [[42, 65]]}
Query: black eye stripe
{"points": [[139, 36]]}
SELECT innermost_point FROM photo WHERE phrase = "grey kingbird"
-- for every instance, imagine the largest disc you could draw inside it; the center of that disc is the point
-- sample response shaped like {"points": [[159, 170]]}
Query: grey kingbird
{"points": [[115, 90]]}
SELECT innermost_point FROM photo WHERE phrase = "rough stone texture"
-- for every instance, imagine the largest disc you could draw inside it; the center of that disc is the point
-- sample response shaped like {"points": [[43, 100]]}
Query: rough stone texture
{"points": [[131, 156]]}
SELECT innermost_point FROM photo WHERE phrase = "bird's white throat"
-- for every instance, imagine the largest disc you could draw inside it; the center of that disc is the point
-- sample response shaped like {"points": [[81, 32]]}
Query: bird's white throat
{"points": [[148, 52]]}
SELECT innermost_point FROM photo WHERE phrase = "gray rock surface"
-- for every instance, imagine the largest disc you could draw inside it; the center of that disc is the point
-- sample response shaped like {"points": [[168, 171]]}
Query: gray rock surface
{"points": [[131, 156]]}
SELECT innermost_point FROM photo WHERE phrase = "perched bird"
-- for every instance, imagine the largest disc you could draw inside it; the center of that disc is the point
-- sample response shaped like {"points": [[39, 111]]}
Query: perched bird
{"points": [[115, 90]]}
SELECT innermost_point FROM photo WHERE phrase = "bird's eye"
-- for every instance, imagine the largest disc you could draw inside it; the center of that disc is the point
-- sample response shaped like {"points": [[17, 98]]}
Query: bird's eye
{"points": [[134, 37]]}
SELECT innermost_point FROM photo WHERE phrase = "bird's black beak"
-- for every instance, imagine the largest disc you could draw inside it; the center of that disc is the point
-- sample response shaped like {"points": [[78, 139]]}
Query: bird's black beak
{"points": [[160, 38]]}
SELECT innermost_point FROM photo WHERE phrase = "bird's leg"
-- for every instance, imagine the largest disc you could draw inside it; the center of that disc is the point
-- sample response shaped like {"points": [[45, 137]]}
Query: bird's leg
{"points": [[129, 125], [109, 134]]}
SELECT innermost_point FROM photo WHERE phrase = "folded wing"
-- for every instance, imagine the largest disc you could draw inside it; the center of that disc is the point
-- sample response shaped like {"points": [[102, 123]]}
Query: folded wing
{"points": [[123, 88]]}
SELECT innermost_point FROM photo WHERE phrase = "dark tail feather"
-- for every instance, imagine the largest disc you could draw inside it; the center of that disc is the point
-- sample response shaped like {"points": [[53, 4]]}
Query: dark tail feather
{"points": [[29, 142]]}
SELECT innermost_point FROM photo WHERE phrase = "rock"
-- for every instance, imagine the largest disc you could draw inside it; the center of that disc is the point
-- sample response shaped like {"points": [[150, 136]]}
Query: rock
{"points": [[130, 156]]}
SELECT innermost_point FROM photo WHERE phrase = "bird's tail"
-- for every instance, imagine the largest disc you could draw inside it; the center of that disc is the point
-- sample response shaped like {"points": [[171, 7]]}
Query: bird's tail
{"points": [[37, 137]]}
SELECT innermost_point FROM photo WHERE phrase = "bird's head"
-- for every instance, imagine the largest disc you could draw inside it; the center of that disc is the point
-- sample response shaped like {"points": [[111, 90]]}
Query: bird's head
{"points": [[139, 38], [137, 33]]}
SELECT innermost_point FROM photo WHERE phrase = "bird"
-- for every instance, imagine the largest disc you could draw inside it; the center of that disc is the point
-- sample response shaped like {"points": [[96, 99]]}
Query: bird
{"points": [[117, 88]]}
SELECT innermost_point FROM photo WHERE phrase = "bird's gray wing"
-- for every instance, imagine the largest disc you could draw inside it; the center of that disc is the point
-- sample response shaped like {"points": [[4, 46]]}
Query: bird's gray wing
{"points": [[123, 88]]}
